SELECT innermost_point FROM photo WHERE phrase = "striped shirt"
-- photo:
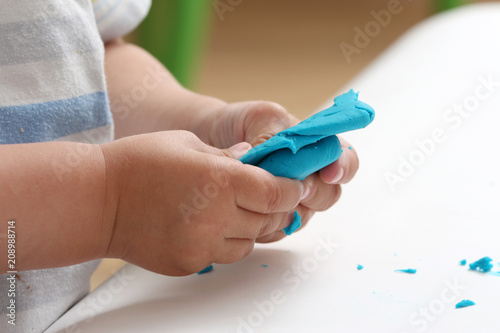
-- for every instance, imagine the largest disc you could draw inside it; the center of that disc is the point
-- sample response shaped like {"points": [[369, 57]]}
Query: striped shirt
{"points": [[52, 88]]}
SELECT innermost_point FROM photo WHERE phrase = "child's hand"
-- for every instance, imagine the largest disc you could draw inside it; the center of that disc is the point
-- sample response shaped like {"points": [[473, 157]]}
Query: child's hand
{"points": [[256, 122], [183, 205]]}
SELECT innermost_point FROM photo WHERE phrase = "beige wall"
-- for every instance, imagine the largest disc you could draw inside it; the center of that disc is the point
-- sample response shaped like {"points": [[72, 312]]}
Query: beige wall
{"points": [[288, 51]]}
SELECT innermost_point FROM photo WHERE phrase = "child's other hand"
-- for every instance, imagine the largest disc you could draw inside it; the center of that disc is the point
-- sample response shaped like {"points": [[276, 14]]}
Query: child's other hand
{"points": [[256, 122], [182, 205]]}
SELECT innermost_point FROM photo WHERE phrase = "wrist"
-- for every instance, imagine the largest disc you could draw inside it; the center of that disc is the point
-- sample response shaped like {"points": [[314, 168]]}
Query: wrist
{"points": [[111, 200]]}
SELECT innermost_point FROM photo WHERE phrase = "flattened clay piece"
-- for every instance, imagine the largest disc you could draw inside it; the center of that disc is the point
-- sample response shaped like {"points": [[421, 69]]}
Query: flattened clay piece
{"points": [[312, 144]]}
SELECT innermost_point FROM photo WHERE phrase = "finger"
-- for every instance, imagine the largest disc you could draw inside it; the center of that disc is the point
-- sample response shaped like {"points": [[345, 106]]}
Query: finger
{"points": [[259, 191], [344, 169], [319, 195], [349, 163], [251, 225], [277, 222], [235, 152], [273, 237], [305, 214], [233, 250]]}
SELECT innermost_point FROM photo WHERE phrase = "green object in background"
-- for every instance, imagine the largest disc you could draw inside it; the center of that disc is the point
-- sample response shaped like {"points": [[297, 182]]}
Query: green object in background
{"points": [[174, 32], [448, 4]]}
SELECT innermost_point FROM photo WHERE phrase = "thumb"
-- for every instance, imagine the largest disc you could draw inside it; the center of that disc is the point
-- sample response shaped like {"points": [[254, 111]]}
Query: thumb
{"points": [[237, 151], [265, 119]]}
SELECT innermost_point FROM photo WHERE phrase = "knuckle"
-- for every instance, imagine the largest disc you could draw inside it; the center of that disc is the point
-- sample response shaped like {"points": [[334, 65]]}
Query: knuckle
{"points": [[272, 118], [241, 253], [355, 162], [261, 138], [333, 197], [352, 165], [270, 108], [306, 215], [324, 199], [275, 236], [189, 267], [209, 255], [187, 135], [273, 195], [269, 224], [356, 167], [275, 113]]}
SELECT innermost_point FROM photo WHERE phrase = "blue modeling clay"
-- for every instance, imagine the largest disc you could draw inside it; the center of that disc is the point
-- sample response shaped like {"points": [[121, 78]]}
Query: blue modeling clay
{"points": [[409, 270], [360, 267], [264, 265], [463, 262], [312, 144], [296, 223], [482, 265], [464, 303], [285, 163], [206, 269]]}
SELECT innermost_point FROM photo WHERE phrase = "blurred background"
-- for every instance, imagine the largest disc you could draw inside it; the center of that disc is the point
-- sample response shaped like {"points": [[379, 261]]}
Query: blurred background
{"points": [[294, 52]]}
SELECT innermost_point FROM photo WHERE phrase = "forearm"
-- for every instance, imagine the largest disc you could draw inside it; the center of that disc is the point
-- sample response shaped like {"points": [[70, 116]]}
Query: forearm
{"points": [[145, 97], [57, 195]]}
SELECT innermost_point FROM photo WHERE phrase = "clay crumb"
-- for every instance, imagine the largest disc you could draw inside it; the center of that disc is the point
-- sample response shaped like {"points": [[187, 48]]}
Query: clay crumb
{"points": [[464, 303], [409, 270], [206, 269], [483, 265]]}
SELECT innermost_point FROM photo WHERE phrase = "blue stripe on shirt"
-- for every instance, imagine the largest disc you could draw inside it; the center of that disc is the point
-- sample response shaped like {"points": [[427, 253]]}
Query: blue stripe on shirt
{"points": [[51, 120]]}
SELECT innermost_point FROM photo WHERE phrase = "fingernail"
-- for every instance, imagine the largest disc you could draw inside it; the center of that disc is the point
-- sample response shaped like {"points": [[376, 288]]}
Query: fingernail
{"points": [[337, 177], [305, 192], [240, 149]]}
